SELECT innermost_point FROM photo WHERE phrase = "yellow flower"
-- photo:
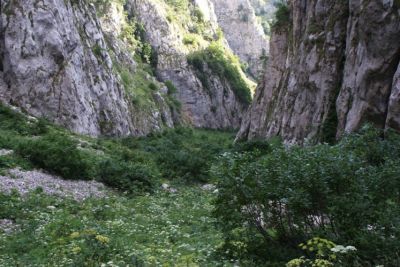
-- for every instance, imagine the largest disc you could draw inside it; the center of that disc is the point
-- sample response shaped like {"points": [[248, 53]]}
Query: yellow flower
{"points": [[322, 263], [102, 239], [74, 235], [89, 232], [295, 263], [76, 250]]}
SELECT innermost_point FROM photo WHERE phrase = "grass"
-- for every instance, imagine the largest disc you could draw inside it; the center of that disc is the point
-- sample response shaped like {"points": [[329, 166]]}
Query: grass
{"points": [[131, 226], [161, 229]]}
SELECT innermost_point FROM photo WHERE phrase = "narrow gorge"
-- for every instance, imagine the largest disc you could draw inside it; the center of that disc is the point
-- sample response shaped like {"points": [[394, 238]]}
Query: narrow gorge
{"points": [[201, 133]]}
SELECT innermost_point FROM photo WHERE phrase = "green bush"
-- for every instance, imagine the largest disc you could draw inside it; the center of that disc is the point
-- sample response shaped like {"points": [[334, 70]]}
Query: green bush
{"points": [[183, 153], [190, 39], [58, 153], [153, 86], [348, 193], [282, 14], [17, 123], [171, 87], [126, 176]]}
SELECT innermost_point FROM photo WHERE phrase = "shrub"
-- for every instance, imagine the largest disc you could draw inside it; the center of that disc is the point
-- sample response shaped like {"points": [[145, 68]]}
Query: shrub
{"points": [[183, 153], [18, 123], [146, 53], [190, 39], [59, 154], [131, 177], [347, 193], [171, 87], [282, 14], [97, 51], [325, 253], [153, 86]]}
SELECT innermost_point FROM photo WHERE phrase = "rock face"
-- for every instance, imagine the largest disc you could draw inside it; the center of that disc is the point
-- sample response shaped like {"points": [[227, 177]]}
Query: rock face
{"points": [[214, 107], [54, 64], [65, 60], [332, 68], [243, 32]]}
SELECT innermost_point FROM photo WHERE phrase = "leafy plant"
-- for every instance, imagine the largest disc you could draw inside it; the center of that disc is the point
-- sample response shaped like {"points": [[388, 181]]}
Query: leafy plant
{"points": [[282, 14], [347, 192], [325, 253], [58, 153], [129, 177]]}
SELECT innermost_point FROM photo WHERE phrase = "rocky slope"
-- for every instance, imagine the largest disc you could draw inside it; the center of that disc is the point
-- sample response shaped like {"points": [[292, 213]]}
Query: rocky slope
{"points": [[332, 68], [175, 32], [243, 32]]}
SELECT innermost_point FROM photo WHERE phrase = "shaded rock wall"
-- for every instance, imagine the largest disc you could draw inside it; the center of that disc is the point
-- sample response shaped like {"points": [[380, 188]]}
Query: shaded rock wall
{"points": [[332, 68], [55, 65]]}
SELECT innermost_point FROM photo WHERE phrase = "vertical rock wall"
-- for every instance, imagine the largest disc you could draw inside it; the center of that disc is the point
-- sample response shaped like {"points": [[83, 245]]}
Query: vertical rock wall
{"points": [[331, 69], [55, 65]]}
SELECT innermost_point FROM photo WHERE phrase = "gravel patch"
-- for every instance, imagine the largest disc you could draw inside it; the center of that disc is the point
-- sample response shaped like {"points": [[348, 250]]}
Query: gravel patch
{"points": [[28, 181], [8, 226]]}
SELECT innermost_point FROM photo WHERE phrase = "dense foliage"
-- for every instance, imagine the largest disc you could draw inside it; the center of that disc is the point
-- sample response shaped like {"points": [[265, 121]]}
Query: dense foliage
{"points": [[282, 14], [183, 153], [128, 164], [270, 198], [348, 193], [59, 154], [160, 229]]}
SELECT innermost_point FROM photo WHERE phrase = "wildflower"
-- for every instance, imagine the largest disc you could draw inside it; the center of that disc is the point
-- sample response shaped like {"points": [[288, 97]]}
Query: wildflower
{"points": [[322, 263], [76, 250], [102, 239], [338, 248], [89, 232], [74, 235], [295, 262], [351, 248]]}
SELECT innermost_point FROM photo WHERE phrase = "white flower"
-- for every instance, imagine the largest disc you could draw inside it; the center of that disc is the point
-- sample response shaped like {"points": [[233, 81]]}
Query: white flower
{"points": [[338, 248], [351, 248]]}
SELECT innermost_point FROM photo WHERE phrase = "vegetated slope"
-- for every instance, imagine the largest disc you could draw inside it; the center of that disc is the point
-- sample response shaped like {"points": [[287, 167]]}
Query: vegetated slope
{"points": [[134, 221], [265, 12], [177, 29], [332, 67]]}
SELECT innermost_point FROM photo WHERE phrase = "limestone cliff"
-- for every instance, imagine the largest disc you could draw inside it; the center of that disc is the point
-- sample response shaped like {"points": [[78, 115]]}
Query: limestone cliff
{"points": [[56, 63], [243, 32], [175, 32], [118, 67], [332, 68]]}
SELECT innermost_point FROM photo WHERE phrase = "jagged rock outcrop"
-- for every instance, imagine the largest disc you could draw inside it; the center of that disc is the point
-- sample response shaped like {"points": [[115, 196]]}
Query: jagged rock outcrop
{"points": [[56, 63], [372, 56], [332, 67], [214, 107], [243, 32], [393, 118]]}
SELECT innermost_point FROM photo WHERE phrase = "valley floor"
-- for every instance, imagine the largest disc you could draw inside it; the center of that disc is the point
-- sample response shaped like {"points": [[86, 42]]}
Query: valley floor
{"points": [[161, 229]]}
